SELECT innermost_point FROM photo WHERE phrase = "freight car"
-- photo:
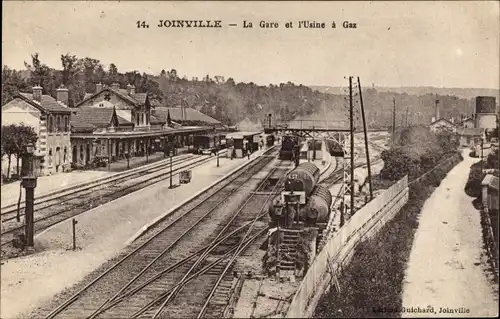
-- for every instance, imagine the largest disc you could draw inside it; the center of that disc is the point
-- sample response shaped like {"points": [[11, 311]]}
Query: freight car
{"points": [[208, 143], [302, 200]]}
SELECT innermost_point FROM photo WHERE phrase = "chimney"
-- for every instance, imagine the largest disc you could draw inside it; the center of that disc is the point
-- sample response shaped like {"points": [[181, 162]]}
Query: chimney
{"points": [[437, 109], [130, 89], [98, 87], [452, 120], [62, 95], [433, 119], [115, 86], [37, 93]]}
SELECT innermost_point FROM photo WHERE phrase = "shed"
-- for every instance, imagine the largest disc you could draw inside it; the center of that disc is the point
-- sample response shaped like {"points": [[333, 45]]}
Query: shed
{"points": [[489, 189], [243, 141]]}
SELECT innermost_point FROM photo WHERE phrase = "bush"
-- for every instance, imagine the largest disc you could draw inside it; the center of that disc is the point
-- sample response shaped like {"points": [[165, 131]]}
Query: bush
{"points": [[473, 186], [375, 277]]}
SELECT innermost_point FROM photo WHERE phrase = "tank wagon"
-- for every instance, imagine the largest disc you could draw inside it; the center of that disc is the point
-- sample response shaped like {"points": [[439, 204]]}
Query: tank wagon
{"points": [[302, 200]]}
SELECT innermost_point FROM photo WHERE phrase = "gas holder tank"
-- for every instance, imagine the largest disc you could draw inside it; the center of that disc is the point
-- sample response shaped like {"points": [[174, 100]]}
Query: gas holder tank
{"points": [[303, 178], [318, 206]]}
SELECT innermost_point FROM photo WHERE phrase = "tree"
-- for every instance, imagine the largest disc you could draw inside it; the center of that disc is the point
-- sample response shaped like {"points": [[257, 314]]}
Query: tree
{"points": [[21, 137], [12, 83], [40, 74], [163, 73], [8, 145]]}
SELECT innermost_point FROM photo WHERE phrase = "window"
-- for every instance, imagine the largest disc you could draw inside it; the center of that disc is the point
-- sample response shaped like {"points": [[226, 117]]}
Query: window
{"points": [[65, 153], [66, 126], [58, 123], [81, 153], [137, 119], [49, 126]]}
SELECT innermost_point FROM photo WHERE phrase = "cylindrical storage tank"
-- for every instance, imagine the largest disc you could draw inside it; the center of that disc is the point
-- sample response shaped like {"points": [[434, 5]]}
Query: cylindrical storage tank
{"points": [[318, 206], [485, 104], [303, 178], [274, 202]]}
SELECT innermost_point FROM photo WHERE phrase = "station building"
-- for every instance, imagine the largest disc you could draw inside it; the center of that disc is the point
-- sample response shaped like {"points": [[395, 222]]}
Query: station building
{"points": [[109, 124], [50, 119]]}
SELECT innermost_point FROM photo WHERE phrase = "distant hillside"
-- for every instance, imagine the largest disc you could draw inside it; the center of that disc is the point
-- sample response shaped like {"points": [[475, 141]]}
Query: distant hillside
{"points": [[418, 90]]}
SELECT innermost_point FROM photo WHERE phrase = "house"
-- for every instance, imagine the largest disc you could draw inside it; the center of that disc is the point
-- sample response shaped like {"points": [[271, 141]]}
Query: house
{"points": [[489, 189], [470, 136], [51, 120], [468, 122], [132, 106], [442, 124]]}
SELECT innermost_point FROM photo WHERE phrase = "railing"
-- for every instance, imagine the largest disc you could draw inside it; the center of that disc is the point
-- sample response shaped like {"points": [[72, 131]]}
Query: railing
{"points": [[340, 248]]}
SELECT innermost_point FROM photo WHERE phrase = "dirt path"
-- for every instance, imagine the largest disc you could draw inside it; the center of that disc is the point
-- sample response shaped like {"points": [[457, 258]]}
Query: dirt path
{"points": [[447, 264]]}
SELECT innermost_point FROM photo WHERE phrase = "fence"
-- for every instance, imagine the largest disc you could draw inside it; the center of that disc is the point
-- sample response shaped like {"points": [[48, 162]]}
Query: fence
{"points": [[340, 248]]}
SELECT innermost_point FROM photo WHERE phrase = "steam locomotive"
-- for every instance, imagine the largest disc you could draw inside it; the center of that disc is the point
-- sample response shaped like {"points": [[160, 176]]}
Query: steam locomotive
{"points": [[287, 147], [302, 201]]}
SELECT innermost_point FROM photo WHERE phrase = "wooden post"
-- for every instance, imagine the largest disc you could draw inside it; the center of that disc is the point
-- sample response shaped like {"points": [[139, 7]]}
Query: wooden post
{"points": [[351, 118], [109, 154], [74, 222], [366, 140]]}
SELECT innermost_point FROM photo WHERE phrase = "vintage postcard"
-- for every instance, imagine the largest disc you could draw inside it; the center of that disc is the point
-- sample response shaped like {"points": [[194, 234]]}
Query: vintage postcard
{"points": [[249, 159]]}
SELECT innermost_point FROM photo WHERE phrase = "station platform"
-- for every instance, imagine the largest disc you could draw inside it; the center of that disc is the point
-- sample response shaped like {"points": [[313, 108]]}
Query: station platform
{"points": [[101, 233], [49, 184]]}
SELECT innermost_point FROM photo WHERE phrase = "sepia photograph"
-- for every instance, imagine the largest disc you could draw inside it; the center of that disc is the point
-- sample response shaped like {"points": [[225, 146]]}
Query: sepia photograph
{"points": [[249, 159]]}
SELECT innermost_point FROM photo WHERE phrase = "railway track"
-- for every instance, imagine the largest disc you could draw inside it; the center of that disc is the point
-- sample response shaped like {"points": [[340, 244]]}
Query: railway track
{"points": [[55, 210], [8, 209], [159, 264]]}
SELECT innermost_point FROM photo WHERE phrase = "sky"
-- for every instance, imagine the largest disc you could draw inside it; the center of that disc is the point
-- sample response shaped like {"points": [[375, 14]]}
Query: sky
{"points": [[441, 44]]}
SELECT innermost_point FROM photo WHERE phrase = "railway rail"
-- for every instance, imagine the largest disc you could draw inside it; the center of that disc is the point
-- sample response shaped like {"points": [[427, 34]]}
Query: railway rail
{"points": [[54, 210], [140, 276], [57, 193]]}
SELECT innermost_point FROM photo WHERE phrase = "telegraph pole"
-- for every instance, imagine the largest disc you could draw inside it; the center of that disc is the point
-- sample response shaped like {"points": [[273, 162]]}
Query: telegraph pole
{"points": [[351, 119], [393, 120], [366, 140]]}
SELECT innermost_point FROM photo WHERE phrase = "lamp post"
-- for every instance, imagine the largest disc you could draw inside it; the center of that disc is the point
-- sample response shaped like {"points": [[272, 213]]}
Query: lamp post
{"points": [[170, 151], [217, 151], [29, 184]]}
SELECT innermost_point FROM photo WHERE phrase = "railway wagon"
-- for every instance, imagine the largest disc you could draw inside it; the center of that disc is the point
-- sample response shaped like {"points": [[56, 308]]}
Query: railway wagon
{"points": [[208, 143], [318, 206], [302, 199], [302, 179]]}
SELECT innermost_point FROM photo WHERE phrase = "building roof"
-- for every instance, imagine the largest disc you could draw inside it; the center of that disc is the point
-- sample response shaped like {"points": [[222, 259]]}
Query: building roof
{"points": [[467, 119], [134, 99], [85, 118], [48, 104], [154, 120], [469, 131], [443, 119], [190, 115], [491, 181]]}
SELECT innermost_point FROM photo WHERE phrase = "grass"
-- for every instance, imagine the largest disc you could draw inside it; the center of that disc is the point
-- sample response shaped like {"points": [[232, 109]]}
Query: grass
{"points": [[373, 281]]}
